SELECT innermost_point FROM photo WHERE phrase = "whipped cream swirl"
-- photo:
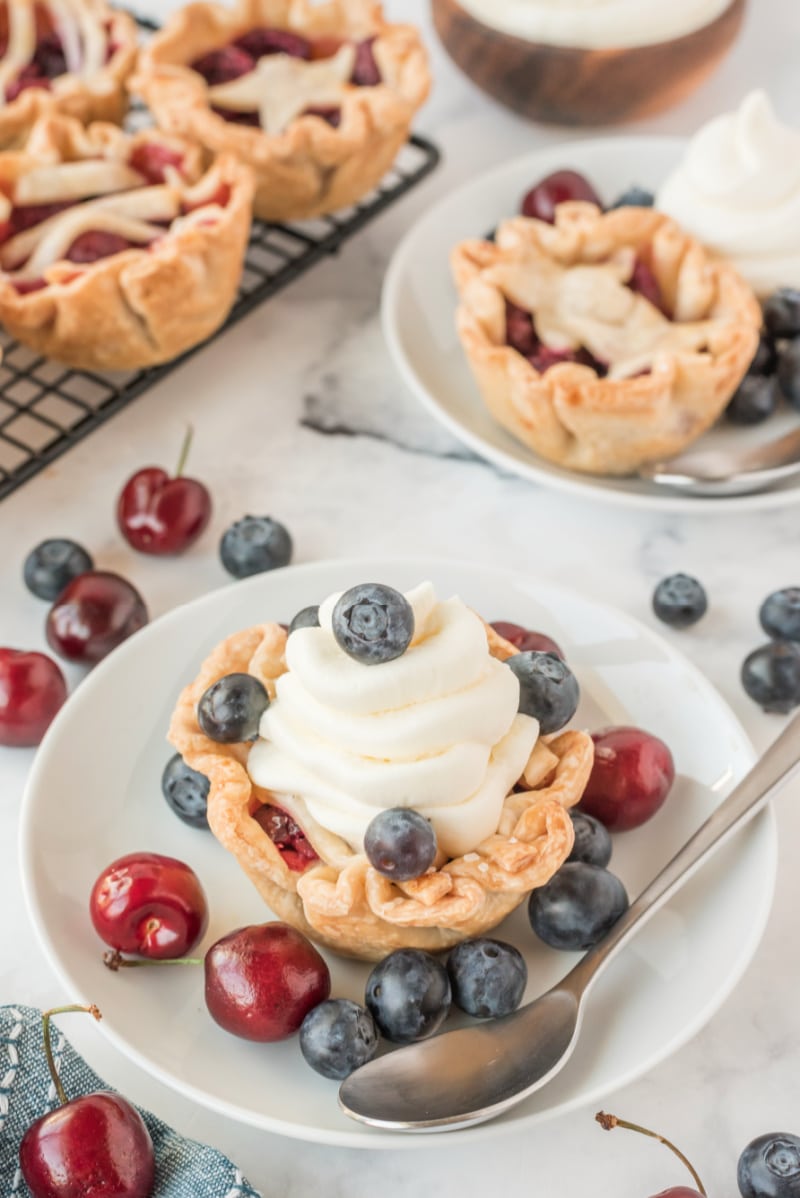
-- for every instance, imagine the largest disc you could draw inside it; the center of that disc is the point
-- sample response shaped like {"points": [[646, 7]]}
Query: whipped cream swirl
{"points": [[738, 191], [436, 730], [596, 24]]}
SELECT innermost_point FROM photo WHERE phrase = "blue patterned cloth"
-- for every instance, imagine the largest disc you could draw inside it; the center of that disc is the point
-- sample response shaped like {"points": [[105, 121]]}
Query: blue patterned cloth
{"points": [[184, 1169]]}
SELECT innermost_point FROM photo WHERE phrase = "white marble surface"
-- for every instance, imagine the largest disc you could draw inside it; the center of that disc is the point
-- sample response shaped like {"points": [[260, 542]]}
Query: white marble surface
{"points": [[313, 358]]}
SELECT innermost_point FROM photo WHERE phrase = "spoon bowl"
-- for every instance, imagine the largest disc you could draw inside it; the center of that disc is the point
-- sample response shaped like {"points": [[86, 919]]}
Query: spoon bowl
{"points": [[729, 472]]}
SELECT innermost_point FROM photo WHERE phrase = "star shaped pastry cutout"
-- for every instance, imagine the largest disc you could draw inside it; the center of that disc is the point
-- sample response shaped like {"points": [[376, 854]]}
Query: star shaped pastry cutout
{"points": [[281, 87]]}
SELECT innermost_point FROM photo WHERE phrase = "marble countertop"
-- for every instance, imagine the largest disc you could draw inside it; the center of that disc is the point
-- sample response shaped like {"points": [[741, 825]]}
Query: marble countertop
{"points": [[298, 413]]}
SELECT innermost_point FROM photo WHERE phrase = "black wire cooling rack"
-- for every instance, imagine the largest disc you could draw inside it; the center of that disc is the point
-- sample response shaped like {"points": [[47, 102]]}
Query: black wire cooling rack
{"points": [[45, 407]]}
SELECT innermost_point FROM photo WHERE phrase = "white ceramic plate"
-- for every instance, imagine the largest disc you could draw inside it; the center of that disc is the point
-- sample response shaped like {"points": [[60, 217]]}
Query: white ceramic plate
{"points": [[94, 795], [419, 303]]}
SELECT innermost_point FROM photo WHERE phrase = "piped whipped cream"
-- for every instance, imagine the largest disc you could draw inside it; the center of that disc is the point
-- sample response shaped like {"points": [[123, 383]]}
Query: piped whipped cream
{"points": [[596, 24], [436, 730], [738, 191]]}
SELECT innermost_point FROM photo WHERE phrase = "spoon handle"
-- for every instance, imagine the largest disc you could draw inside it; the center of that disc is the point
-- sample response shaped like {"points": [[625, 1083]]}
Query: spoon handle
{"points": [[778, 764]]}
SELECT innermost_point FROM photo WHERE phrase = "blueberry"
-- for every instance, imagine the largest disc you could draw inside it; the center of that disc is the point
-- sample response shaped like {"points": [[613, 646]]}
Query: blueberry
{"points": [[634, 197], [255, 544], [769, 1167], [780, 614], [186, 791], [680, 600], [400, 844], [548, 690], [782, 313], [307, 618], [409, 995], [754, 400], [488, 977], [577, 906], [50, 566], [789, 372], [771, 676], [231, 709], [337, 1037], [592, 840], [373, 623], [765, 358]]}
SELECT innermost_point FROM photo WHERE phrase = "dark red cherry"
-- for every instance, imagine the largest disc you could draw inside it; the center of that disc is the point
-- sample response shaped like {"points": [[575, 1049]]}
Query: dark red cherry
{"points": [[644, 282], [96, 244], [520, 330], [32, 690], [161, 515], [525, 640], [260, 42], [262, 981], [366, 72], [94, 614], [543, 199], [631, 777], [150, 905], [97, 1144], [225, 65]]}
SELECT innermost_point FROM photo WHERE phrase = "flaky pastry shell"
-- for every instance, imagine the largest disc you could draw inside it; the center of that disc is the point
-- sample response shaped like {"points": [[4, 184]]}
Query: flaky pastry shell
{"points": [[101, 97], [310, 168], [142, 306], [341, 901], [568, 414]]}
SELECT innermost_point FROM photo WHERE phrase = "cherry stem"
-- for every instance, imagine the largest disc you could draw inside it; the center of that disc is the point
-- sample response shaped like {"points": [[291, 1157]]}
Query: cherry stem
{"points": [[115, 961], [609, 1122], [48, 1044], [187, 445]]}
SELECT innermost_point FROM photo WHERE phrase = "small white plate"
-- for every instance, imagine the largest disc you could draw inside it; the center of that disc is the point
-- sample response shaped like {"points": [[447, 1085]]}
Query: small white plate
{"points": [[419, 305], [94, 795]]}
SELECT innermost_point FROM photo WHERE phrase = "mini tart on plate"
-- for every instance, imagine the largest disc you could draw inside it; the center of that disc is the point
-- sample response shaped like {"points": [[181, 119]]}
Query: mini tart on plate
{"points": [[317, 98], [116, 251], [314, 880], [606, 340], [66, 56]]}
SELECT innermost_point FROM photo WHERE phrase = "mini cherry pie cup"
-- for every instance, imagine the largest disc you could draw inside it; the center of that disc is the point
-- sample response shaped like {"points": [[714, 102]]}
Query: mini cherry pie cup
{"points": [[71, 57], [118, 252], [604, 341], [317, 99], [315, 881]]}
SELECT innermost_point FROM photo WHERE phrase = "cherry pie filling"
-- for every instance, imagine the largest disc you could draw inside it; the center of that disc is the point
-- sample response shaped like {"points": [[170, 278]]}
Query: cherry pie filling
{"points": [[241, 56], [521, 332], [49, 58], [153, 165], [289, 839]]}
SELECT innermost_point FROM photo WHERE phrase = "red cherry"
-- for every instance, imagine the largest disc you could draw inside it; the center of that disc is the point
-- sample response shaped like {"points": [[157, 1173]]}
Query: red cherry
{"points": [[525, 640], [162, 515], [32, 689], [151, 905], [644, 282], [97, 1144], [93, 614], [96, 244], [543, 199], [151, 160], [262, 981], [631, 777]]}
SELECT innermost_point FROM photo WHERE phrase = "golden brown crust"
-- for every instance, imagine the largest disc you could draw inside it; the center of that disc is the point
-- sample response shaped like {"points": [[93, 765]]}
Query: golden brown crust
{"points": [[342, 901], [142, 306], [569, 415], [311, 168], [102, 97]]}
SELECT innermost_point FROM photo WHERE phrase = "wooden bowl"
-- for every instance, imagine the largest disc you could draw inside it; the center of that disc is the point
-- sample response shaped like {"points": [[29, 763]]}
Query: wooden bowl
{"points": [[570, 86]]}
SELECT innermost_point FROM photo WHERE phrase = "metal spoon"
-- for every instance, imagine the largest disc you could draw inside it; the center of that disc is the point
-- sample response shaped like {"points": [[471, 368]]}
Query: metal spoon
{"points": [[468, 1076], [722, 472]]}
